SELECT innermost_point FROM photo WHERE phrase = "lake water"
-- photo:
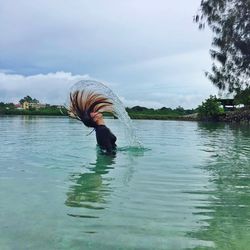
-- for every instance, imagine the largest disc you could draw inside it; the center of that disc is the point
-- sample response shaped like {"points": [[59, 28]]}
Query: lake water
{"points": [[189, 188]]}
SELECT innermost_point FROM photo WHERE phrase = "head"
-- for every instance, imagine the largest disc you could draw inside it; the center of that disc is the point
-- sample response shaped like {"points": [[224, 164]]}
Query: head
{"points": [[97, 117], [87, 107]]}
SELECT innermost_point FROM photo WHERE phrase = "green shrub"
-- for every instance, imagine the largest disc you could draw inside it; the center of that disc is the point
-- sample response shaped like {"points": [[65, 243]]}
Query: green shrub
{"points": [[210, 109], [243, 97]]}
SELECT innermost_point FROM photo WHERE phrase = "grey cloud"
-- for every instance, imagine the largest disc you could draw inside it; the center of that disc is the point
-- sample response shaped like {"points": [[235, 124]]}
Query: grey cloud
{"points": [[80, 35]]}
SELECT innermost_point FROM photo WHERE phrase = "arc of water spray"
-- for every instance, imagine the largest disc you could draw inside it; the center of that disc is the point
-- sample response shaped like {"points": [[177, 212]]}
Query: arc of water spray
{"points": [[119, 109]]}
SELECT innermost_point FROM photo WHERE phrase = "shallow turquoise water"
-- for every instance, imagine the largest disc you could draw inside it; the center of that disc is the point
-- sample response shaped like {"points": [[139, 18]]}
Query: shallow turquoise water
{"points": [[189, 188]]}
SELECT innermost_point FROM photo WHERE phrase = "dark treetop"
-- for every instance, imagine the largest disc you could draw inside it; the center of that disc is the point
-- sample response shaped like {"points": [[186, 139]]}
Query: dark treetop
{"points": [[230, 23]]}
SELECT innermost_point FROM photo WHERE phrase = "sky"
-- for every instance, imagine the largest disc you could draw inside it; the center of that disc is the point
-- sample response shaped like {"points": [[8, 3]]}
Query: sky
{"points": [[149, 52]]}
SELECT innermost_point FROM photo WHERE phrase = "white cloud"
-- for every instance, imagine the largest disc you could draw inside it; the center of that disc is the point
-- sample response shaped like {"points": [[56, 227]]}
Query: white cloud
{"points": [[48, 88], [53, 88]]}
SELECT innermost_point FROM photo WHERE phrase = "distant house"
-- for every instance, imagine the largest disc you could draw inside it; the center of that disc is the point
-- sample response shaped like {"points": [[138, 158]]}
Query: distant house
{"points": [[228, 104], [58, 106], [32, 105], [25, 105], [37, 105]]}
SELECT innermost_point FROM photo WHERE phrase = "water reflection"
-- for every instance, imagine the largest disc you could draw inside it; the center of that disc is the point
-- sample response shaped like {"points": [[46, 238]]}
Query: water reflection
{"points": [[227, 216], [90, 189]]}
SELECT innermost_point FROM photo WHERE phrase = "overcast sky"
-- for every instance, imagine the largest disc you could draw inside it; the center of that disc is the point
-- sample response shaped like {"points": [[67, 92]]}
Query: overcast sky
{"points": [[149, 52]]}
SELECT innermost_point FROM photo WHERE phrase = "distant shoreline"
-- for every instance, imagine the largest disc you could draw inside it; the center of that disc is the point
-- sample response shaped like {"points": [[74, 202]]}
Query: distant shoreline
{"points": [[237, 116], [133, 116], [164, 118]]}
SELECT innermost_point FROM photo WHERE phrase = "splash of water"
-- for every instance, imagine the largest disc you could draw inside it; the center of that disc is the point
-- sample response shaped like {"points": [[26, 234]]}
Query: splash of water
{"points": [[119, 109]]}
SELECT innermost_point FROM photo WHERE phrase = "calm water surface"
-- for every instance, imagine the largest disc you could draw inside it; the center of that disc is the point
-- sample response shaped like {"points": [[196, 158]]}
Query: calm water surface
{"points": [[189, 188]]}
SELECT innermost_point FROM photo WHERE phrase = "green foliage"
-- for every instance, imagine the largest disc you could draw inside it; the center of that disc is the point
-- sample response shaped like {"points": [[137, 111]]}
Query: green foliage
{"points": [[230, 23], [243, 97], [28, 99], [6, 106], [10, 109], [136, 112], [45, 111], [210, 109], [163, 113]]}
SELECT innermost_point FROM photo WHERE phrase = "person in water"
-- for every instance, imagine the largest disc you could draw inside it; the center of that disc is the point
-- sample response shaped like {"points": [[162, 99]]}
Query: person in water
{"points": [[87, 107]]}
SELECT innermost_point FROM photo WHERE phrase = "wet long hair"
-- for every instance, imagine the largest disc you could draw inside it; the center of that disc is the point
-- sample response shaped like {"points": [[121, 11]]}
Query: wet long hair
{"points": [[82, 103]]}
